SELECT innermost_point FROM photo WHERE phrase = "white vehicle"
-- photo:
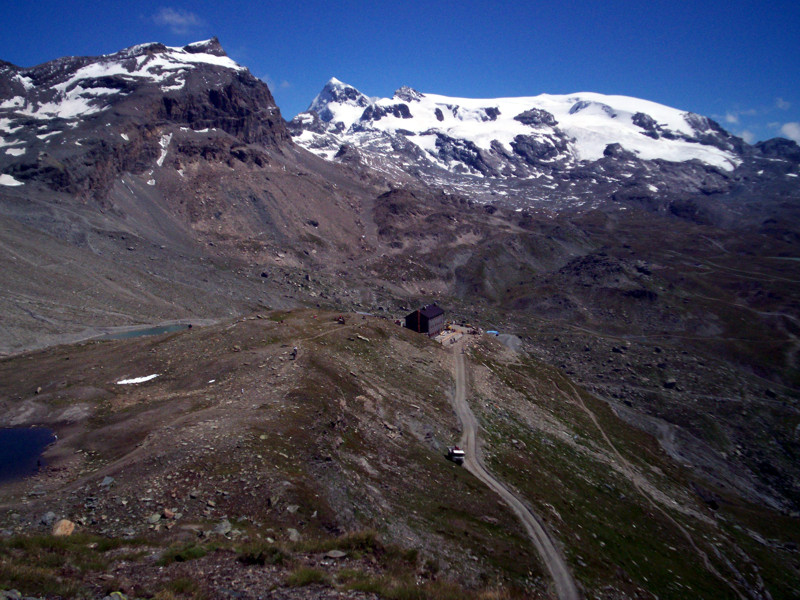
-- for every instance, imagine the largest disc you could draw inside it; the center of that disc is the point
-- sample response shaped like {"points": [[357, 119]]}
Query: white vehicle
{"points": [[455, 454]]}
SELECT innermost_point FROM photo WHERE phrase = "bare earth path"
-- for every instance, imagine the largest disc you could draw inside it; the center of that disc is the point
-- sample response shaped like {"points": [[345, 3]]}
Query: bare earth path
{"points": [[562, 578]]}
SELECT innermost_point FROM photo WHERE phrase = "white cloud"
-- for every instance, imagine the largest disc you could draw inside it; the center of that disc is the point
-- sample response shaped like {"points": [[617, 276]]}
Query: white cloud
{"points": [[747, 136], [783, 104], [179, 21], [731, 117], [791, 131]]}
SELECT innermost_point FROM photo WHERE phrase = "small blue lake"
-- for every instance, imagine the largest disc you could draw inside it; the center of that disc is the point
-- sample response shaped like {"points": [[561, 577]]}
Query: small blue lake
{"points": [[134, 333], [21, 450]]}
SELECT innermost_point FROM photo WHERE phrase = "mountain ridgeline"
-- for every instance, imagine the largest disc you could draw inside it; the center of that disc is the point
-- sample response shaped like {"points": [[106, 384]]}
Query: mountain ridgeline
{"points": [[547, 151]]}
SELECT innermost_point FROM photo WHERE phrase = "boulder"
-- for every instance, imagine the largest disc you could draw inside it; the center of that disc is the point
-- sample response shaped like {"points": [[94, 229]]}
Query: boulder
{"points": [[64, 527]]}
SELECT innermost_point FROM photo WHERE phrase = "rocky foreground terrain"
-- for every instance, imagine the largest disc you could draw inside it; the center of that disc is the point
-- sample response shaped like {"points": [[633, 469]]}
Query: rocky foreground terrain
{"points": [[648, 414], [239, 469]]}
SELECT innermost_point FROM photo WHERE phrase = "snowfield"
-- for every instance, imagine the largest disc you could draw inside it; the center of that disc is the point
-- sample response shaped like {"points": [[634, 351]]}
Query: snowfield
{"points": [[589, 120]]}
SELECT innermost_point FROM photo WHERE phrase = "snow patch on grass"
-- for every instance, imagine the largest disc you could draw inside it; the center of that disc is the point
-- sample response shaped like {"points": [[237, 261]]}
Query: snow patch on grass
{"points": [[137, 379]]}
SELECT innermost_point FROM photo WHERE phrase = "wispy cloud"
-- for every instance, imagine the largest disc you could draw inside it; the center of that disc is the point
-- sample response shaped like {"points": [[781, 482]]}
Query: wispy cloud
{"points": [[732, 117], [791, 131], [752, 124], [179, 22], [748, 136]]}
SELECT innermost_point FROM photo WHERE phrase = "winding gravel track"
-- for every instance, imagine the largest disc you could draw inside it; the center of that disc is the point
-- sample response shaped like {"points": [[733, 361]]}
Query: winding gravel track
{"points": [[562, 578]]}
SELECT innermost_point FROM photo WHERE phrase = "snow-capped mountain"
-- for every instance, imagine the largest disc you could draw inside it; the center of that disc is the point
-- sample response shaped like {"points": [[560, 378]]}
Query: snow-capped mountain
{"points": [[74, 122], [540, 148]]}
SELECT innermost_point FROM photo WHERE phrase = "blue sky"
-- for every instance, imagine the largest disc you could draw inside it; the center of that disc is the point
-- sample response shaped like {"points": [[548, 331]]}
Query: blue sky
{"points": [[736, 61]]}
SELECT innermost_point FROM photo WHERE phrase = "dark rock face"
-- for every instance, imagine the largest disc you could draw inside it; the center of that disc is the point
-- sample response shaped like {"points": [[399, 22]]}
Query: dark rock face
{"points": [[647, 123], [465, 152], [241, 106], [376, 113], [535, 149], [711, 133], [492, 113], [536, 117], [618, 152], [780, 148]]}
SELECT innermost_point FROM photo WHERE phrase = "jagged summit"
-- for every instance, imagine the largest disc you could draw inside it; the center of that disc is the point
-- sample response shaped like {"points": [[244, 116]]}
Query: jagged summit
{"points": [[338, 101], [408, 94], [210, 46]]}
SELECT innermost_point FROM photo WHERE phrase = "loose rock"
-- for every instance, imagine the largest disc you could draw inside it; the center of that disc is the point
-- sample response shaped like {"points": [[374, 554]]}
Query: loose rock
{"points": [[63, 528]]}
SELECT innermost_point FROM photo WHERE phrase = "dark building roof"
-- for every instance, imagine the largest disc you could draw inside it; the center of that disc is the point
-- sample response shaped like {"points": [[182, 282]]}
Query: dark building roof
{"points": [[431, 311]]}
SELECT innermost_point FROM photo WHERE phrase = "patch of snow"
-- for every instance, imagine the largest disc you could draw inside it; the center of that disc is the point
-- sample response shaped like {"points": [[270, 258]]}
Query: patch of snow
{"points": [[791, 174], [25, 81], [15, 151], [5, 126], [178, 85], [15, 102], [200, 43], [8, 180], [125, 137], [9, 142], [652, 188], [44, 136], [151, 182], [164, 143], [68, 107], [137, 379]]}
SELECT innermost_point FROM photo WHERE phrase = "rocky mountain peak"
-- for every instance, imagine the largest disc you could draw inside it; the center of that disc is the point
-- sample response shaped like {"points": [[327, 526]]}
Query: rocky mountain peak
{"points": [[336, 92], [407, 94], [211, 46]]}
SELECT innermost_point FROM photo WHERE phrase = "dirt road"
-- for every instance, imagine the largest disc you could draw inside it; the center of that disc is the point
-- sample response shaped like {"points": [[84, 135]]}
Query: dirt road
{"points": [[562, 578]]}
